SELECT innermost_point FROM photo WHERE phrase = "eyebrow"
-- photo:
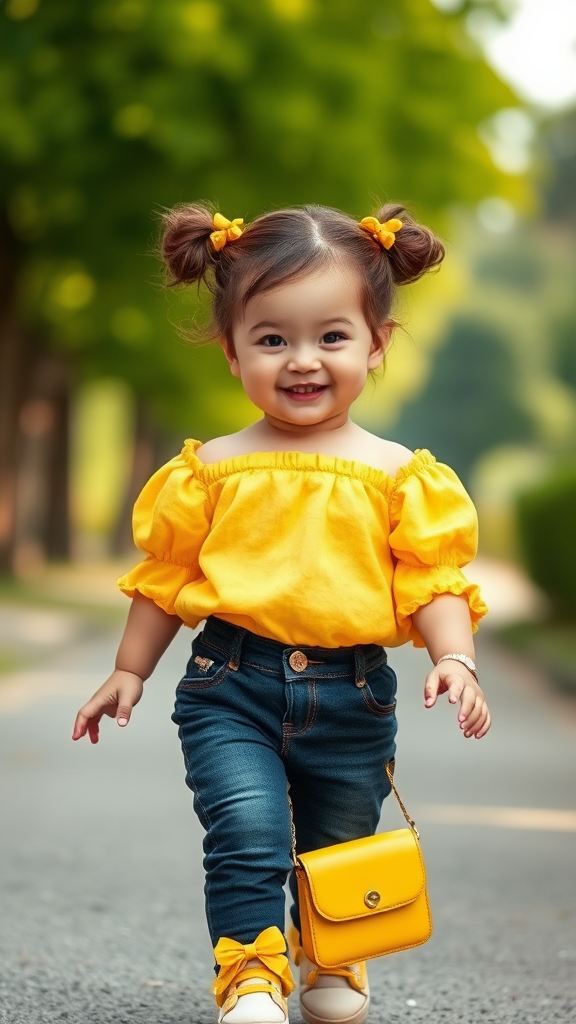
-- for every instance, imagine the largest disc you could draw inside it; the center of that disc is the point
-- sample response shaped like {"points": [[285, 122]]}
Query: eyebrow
{"points": [[266, 323], [323, 323]]}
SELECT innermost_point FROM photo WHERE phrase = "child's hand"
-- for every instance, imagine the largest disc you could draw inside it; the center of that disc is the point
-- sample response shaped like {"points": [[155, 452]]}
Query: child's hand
{"points": [[460, 684], [115, 698]]}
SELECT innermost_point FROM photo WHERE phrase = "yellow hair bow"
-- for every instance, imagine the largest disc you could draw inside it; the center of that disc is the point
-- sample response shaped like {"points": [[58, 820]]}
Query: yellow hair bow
{"points": [[226, 230], [232, 957], [383, 233]]}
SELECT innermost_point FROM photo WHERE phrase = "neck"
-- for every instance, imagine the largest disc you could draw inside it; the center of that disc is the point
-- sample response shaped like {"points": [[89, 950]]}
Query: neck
{"points": [[272, 426]]}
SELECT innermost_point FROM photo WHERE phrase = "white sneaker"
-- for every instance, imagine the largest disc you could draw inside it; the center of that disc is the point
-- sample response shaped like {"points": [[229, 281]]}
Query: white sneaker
{"points": [[337, 995], [261, 1003]]}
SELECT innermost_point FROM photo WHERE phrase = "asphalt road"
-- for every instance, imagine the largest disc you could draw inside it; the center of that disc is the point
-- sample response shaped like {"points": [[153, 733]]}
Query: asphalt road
{"points": [[101, 880]]}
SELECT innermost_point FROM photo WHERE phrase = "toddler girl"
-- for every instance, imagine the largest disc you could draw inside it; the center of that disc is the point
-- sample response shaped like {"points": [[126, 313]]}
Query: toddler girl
{"points": [[308, 546]]}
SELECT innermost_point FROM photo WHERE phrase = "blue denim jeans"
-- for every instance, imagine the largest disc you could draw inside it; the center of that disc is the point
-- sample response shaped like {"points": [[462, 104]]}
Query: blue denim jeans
{"points": [[257, 718]]}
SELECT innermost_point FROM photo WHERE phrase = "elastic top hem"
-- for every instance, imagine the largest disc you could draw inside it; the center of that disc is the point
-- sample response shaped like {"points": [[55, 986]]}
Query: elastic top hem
{"points": [[302, 461]]}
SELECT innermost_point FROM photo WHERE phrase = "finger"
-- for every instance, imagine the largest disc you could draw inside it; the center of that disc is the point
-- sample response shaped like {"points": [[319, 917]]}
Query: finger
{"points": [[484, 729], [123, 713], [91, 712], [94, 730], [480, 721], [455, 684], [431, 689], [472, 723], [470, 710], [468, 702], [80, 726]]}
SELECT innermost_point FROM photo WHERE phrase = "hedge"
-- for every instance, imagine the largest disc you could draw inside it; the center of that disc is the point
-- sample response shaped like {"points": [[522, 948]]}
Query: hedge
{"points": [[546, 517]]}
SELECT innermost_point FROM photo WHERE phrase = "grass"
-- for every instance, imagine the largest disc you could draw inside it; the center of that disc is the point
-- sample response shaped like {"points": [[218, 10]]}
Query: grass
{"points": [[43, 594], [552, 645], [18, 592], [9, 661]]}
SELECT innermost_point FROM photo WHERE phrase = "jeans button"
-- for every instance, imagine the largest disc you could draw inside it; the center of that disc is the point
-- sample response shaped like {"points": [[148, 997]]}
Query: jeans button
{"points": [[298, 661]]}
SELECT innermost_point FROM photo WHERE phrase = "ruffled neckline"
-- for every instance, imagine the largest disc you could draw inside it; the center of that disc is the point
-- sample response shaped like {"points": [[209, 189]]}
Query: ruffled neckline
{"points": [[303, 461]]}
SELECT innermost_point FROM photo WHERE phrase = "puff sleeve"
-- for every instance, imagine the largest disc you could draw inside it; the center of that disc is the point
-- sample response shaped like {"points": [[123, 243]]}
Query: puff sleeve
{"points": [[170, 523], [434, 531]]}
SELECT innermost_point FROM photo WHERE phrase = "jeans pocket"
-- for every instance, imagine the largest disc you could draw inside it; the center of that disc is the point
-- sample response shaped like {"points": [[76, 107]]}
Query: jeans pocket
{"points": [[379, 693], [207, 667]]}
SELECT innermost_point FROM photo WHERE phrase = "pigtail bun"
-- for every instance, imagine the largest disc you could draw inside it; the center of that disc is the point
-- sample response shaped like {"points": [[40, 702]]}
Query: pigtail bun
{"points": [[185, 245], [416, 249]]}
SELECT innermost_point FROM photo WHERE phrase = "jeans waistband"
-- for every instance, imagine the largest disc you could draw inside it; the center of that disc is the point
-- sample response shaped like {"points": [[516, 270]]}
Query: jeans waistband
{"points": [[298, 661]]}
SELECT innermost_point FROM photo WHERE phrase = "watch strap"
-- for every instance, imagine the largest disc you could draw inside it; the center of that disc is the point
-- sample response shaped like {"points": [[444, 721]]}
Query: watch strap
{"points": [[464, 660]]}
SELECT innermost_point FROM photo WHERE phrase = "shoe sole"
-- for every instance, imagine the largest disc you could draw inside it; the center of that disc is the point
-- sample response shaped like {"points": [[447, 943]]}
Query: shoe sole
{"points": [[358, 1018], [286, 1021]]}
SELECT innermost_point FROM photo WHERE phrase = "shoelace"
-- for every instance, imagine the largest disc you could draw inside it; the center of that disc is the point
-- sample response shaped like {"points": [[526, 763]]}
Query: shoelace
{"points": [[339, 972]]}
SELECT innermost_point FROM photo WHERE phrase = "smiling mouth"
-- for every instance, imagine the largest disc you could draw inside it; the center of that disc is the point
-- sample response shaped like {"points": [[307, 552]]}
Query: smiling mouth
{"points": [[305, 389]]}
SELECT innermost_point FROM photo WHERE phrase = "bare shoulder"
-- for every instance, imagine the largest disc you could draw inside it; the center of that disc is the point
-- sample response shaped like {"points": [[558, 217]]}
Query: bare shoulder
{"points": [[220, 448], [389, 456]]}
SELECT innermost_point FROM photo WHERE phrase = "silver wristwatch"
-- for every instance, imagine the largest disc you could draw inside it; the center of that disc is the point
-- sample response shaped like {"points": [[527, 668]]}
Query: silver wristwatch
{"points": [[465, 661]]}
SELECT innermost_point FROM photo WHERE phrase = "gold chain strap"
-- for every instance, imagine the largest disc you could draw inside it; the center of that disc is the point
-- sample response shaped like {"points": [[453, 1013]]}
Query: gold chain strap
{"points": [[409, 820], [293, 853], [402, 807]]}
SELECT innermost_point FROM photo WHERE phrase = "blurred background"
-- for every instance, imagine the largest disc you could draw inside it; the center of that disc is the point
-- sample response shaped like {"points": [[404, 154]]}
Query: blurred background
{"points": [[112, 110]]}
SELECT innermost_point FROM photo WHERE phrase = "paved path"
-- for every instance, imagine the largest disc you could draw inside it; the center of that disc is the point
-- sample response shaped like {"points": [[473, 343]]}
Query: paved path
{"points": [[101, 881]]}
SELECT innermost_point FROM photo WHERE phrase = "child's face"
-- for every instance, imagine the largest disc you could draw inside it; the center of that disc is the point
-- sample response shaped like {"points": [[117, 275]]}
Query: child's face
{"points": [[303, 350]]}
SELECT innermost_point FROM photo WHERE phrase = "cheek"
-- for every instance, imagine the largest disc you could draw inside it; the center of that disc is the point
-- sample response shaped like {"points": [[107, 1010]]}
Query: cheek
{"points": [[356, 370], [257, 377]]}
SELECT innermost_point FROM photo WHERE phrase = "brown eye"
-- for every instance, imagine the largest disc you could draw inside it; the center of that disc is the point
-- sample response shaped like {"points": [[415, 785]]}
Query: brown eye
{"points": [[272, 341], [332, 337]]}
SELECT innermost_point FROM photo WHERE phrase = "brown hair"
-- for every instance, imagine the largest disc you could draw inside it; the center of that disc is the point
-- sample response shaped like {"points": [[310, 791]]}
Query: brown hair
{"points": [[286, 244]]}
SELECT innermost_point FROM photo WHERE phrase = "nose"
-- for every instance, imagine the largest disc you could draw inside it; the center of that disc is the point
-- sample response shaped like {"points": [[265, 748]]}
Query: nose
{"points": [[304, 359]]}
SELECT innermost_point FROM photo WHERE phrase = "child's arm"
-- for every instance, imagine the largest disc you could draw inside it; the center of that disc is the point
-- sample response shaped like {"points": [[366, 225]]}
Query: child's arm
{"points": [[149, 631], [444, 625]]}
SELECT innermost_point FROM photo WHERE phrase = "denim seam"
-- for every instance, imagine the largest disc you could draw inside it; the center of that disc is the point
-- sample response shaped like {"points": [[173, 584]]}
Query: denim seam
{"points": [[382, 710], [261, 668], [288, 731], [214, 646], [302, 677], [194, 789], [205, 684]]}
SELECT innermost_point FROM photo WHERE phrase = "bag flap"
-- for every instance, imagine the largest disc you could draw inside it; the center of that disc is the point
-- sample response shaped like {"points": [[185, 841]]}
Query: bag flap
{"points": [[365, 876]]}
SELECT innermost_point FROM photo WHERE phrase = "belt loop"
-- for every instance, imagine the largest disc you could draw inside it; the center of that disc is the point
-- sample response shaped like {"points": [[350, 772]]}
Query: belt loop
{"points": [[359, 666], [236, 652]]}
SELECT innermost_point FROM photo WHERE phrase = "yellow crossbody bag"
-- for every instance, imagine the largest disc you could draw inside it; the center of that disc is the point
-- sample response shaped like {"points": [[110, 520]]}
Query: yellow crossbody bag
{"points": [[365, 898]]}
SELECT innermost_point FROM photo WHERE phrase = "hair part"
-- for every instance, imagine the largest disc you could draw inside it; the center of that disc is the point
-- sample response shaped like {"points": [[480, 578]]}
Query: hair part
{"points": [[281, 246]]}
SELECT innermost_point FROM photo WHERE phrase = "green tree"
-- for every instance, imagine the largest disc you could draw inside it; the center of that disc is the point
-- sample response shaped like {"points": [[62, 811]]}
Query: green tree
{"points": [[564, 340], [469, 403], [559, 149], [112, 109]]}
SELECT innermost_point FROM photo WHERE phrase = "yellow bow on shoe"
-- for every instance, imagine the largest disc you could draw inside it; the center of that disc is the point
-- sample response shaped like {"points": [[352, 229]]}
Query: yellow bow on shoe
{"points": [[226, 230], [232, 957], [383, 233]]}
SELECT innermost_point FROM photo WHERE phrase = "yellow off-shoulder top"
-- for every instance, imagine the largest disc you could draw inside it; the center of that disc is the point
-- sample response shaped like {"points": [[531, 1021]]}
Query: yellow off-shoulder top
{"points": [[310, 550]]}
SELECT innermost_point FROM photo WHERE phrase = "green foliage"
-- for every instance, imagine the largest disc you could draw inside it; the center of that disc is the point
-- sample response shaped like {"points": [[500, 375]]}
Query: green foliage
{"points": [[564, 339], [113, 109], [469, 403], [513, 268], [546, 518], [551, 645], [559, 147]]}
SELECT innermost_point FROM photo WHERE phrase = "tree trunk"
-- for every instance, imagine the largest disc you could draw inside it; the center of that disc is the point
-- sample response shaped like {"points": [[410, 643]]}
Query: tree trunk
{"points": [[151, 449], [13, 363], [41, 528], [57, 521]]}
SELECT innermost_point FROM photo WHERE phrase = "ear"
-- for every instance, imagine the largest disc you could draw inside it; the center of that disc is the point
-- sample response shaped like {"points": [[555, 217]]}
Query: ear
{"points": [[380, 343], [231, 357]]}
